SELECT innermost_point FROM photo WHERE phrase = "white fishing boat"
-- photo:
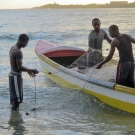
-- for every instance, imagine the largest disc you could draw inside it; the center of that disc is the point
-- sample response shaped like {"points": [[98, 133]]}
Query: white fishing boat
{"points": [[54, 60]]}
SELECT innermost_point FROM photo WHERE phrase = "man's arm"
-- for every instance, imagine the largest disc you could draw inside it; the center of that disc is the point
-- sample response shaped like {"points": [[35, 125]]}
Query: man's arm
{"points": [[132, 39], [108, 39], [114, 44], [22, 68]]}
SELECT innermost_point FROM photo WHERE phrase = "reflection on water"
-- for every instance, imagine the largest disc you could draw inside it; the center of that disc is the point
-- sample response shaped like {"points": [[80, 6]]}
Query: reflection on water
{"points": [[16, 122]]}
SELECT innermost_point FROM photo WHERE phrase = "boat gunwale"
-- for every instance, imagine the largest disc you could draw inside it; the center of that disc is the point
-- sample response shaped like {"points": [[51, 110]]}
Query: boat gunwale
{"points": [[56, 48]]}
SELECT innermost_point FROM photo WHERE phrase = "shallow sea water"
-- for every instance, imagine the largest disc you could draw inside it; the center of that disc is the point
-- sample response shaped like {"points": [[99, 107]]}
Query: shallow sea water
{"points": [[59, 111]]}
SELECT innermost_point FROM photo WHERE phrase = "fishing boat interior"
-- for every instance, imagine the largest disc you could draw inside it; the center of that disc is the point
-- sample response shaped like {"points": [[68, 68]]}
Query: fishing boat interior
{"points": [[78, 63], [65, 61]]}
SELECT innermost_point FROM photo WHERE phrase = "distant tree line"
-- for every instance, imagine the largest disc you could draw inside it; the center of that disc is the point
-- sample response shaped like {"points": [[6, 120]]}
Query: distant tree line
{"points": [[114, 5]]}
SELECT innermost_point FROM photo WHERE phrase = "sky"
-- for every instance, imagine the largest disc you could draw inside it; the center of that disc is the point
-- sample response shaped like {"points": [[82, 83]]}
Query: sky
{"points": [[17, 4]]}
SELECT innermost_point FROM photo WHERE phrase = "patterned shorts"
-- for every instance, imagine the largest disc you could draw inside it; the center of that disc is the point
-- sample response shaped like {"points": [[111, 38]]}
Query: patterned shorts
{"points": [[16, 90]]}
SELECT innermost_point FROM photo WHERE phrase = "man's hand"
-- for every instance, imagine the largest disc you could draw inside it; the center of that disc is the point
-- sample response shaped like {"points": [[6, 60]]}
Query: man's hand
{"points": [[32, 72], [99, 66]]}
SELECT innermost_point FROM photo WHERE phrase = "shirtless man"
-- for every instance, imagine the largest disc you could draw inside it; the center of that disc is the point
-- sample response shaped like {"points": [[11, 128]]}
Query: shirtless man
{"points": [[95, 40], [125, 68], [15, 77]]}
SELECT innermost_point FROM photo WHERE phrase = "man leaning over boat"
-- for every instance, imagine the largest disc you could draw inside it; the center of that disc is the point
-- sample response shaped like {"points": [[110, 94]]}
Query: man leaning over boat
{"points": [[125, 67]]}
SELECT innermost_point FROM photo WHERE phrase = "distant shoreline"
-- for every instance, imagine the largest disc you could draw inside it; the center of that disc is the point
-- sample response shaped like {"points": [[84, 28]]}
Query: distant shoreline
{"points": [[57, 6]]}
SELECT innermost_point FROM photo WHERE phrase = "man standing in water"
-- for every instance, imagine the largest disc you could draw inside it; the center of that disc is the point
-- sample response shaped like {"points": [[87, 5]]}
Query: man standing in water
{"points": [[15, 77], [125, 68], [95, 40]]}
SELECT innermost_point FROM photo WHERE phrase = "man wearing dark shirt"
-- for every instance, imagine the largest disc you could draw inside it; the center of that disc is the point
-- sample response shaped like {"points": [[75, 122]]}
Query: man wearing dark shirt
{"points": [[125, 68], [95, 41]]}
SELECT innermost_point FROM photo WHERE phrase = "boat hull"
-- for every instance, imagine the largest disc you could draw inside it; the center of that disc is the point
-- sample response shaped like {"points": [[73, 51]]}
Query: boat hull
{"points": [[120, 97]]}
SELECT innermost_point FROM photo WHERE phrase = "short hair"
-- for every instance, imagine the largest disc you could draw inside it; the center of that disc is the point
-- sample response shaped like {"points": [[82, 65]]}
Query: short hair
{"points": [[95, 19], [23, 37], [114, 28]]}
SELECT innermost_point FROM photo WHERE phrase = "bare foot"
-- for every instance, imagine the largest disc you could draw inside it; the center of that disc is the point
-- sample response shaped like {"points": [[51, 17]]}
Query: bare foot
{"points": [[15, 106]]}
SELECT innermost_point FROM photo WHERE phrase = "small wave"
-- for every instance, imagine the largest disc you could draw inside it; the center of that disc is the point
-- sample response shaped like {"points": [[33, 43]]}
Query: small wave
{"points": [[8, 37], [37, 35], [32, 36]]}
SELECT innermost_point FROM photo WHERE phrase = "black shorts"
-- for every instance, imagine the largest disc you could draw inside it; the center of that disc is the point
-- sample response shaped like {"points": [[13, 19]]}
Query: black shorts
{"points": [[125, 74]]}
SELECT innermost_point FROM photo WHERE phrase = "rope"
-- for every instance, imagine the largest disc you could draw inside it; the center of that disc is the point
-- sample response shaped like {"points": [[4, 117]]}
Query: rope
{"points": [[27, 113], [35, 91], [93, 67]]}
